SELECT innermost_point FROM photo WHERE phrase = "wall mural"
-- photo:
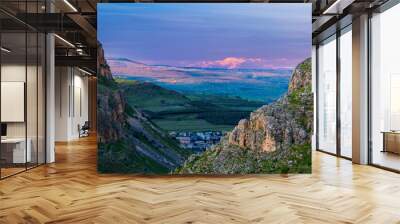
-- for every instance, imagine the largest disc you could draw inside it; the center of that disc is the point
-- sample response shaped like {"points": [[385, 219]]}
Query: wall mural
{"points": [[204, 88]]}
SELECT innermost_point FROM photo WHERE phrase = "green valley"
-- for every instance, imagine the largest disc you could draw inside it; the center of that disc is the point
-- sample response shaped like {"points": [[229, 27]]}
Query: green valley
{"points": [[174, 111]]}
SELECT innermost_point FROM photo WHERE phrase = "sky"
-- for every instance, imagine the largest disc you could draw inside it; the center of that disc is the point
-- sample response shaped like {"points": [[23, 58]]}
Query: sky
{"points": [[224, 35]]}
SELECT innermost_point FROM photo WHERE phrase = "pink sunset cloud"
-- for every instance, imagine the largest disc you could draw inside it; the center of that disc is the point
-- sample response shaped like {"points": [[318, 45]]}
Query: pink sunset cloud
{"points": [[228, 62], [243, 62], [231, 62]]}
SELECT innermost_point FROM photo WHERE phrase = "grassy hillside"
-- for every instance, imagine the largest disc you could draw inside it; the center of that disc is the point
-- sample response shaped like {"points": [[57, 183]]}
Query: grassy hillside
{"points": [[150, 97], [128, 141], [229, 159]]}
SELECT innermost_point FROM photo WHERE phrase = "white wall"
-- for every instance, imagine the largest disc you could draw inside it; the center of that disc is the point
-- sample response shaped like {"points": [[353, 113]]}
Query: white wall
{"points": [[17, 73], [314, 90], [33, 126], [12, 73], [71, 102], [62, 82], [80, 109]]}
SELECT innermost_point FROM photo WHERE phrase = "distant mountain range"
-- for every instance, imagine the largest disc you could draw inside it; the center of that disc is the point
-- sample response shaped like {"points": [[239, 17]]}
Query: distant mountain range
{"points": [[190, 75], [265, 85]]}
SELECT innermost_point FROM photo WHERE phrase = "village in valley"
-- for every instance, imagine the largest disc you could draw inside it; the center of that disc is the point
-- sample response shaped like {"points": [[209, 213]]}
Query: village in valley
{"points": [[197, 141]]}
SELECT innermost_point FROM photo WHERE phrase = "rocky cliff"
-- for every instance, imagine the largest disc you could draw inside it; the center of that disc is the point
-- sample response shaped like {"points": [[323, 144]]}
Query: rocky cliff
{"points": [[276, 137], [283, 123], [128, 141], [104, 70]]}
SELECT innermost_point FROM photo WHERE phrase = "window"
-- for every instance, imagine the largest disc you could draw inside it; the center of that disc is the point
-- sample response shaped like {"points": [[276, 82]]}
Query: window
{"points": [[346, 92], [385, 89], [327, 95], [22, 77]]}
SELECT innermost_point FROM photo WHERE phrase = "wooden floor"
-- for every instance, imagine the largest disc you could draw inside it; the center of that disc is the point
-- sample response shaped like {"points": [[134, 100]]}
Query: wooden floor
{"points": [[8, 171], [71, 191]]}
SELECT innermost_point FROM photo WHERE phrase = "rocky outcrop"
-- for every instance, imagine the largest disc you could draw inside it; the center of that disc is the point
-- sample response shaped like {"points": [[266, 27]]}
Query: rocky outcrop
{"points": [[301, 77], [275, 139], [111, 103], [253, 134], [285, 122], [102, 65], [112, 116]]}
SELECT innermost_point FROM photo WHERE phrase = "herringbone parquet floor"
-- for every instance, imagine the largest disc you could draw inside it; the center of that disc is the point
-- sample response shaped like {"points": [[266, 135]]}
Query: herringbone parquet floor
{"points": [[71, 191]]}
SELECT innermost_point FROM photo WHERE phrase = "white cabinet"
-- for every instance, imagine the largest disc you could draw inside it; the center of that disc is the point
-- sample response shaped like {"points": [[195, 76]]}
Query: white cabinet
{"points": [[19, 154]]}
